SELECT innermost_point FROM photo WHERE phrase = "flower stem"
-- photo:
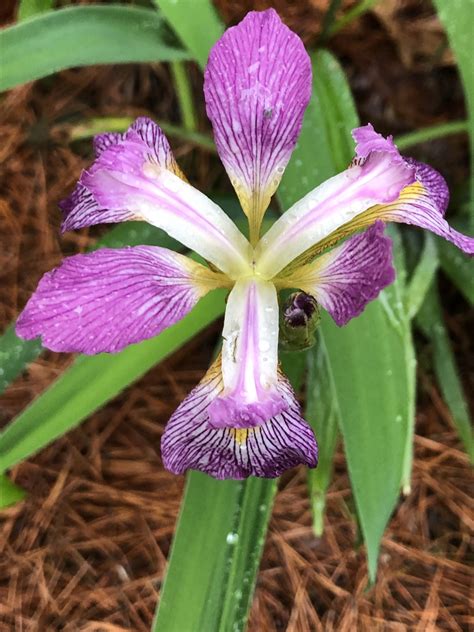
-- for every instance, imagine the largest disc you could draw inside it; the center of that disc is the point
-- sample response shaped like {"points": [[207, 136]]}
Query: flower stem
{"points": [[184, 93], [431, 133]]}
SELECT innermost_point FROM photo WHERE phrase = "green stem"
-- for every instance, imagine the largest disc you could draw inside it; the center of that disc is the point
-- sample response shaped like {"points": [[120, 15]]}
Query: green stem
{"points": [[352, 15], [328, 20], [184, 94], [98, 125], [431, 133]]}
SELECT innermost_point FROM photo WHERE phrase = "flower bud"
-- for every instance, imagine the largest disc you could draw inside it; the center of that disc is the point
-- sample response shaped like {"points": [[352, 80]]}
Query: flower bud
{"points": [[299, 318]]}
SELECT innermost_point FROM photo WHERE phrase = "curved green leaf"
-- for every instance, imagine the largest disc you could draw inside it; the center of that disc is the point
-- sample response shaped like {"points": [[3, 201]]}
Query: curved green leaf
{"points": [[458, 18], [82, 36], [370, 360], [198, 27]]}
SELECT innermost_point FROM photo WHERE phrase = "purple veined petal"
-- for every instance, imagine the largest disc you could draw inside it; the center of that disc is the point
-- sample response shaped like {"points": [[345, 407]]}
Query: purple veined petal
{"points": [[377, 178], [108, 299], [135, 177], [380, 184], [103, 141], [348, 277], [190, 442], [257, 85], [249, 358]]}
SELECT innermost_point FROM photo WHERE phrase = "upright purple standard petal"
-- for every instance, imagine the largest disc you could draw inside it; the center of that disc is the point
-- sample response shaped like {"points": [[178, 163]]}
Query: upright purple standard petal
{"points": [[348, 277], [257, 85], [136, 177], [190, 442], [106, 300]]}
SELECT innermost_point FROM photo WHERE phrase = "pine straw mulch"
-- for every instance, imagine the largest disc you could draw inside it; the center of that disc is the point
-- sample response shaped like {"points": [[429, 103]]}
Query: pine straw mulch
{"points": [[86, 551]]}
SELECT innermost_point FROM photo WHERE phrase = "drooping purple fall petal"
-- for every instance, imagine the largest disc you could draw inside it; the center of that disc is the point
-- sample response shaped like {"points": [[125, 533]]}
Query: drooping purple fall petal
{"points": [[136, 177], [108, 299], [249, 358], [379, 185], [348, 277], [257, 86], [267, 450]]}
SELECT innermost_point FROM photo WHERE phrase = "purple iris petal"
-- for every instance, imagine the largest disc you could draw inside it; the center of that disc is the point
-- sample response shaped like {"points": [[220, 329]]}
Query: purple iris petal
{"points": [[419, 206], [82, 208], [257, 86], [106, 300], [380, 184], [102, 141], [347, 278], [134, 177], [189, 442]]}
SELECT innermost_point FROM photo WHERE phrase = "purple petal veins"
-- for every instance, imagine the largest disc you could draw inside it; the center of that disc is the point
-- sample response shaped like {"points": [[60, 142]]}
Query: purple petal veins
{"points": [[134, 177], [257, 86], [267, 450], [348, 277], [108, 299]]}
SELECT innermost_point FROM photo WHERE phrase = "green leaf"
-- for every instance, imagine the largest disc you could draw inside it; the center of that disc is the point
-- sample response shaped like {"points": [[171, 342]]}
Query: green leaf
{"points": [[430, 133], [323, 414], [422, 277], [198, 27], [30, 8], [97, 125], [94, 380], [370, 360], [10, 494], [458, 18], [81, 36], [458, 267], [430, 321], [215, 555]]}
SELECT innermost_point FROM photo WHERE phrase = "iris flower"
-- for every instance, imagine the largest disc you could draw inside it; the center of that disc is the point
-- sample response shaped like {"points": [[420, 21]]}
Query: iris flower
{"points": [[243, 417]]}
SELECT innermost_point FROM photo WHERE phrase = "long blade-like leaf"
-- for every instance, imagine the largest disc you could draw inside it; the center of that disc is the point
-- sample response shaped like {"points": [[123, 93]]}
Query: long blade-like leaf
{"points": [[29, 8], [10, 493], [370, 359], [322, 413], [80, 36], [198, 27], [215, 555], [430, 321], [458, 18]]}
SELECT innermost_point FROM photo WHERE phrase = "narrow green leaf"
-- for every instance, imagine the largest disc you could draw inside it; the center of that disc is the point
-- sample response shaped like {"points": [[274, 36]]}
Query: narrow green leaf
{"points": [[323, 415], [458, 18], [98, 125], [430, 133], [10, 494], [81, 36], [92, 381], [198, 26], [422, 277], [458, 267], [355, 12], [371, 361], [430, 321], [30, 8], [215, 554]]}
